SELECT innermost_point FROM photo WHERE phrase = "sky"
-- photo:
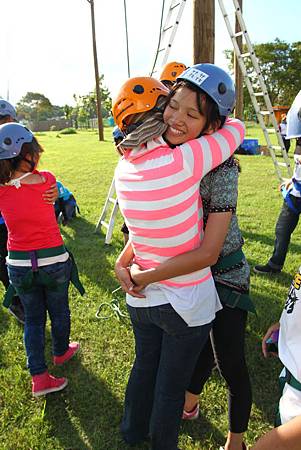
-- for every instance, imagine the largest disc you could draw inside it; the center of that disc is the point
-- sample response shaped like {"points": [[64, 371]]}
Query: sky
{"points": [[46, 45]]}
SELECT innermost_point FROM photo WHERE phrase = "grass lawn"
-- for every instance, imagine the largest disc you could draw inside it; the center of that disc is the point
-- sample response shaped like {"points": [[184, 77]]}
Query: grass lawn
{"points": [[87, 414]]}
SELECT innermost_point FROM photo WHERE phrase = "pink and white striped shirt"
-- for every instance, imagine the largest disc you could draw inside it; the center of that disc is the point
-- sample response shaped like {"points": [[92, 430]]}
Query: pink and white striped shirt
{"points": [[158, 194]]}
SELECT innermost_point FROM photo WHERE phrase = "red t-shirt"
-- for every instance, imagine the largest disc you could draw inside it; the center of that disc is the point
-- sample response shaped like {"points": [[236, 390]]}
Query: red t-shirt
{"points": [[30, 221]]}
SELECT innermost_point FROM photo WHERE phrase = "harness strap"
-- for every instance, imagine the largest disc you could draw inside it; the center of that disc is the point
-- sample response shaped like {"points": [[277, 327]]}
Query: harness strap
{"points": [[40, 277], [42, 253], [229, 261], [286, 193], [235, 299], [291, 380]]}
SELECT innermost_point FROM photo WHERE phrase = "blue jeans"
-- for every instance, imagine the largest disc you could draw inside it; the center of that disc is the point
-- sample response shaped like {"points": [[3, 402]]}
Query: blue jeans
{"points": [[36, 303], [166, 354], [286, 224]]}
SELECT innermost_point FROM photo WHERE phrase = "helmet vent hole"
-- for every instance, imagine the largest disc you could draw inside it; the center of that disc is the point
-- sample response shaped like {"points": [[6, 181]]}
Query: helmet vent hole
{"points": [[222, 88], [7, 141], [138, 89]]}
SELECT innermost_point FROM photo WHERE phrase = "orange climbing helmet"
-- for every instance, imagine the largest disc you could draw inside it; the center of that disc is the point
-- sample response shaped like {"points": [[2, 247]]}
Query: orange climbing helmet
{"points": [[172, 71], [136, 95]]}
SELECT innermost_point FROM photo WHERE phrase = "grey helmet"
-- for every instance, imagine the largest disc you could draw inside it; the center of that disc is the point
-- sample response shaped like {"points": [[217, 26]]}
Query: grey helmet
{"points": [[12, 137], [6, 109]]}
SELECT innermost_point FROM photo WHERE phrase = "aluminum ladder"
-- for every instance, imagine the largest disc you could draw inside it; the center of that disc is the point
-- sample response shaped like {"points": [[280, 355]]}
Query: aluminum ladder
{"points": [[264, 107], [167, 33], [110, 200]]}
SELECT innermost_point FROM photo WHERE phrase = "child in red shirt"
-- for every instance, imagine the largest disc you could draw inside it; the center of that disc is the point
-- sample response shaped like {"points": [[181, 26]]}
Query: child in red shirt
{"points": [[39, 267]]}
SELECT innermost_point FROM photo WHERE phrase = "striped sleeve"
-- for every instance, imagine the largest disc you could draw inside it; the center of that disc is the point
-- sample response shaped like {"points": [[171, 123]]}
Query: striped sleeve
{"points": [[209, 151]]}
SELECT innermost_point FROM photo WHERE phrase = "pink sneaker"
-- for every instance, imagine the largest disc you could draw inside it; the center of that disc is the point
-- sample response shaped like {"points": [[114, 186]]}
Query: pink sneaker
{"points": [[44, 383], [72, 350], [192, 415]]}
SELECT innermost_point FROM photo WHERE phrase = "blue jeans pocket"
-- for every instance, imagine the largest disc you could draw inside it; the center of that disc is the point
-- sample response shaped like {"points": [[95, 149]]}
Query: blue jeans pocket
{"points": [[60, 272], [16, 274], [171, 322]]}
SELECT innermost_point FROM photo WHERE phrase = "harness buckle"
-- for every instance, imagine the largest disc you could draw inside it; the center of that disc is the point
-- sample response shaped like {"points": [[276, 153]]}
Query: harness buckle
{"points": [[236, 301], [34, 260]]}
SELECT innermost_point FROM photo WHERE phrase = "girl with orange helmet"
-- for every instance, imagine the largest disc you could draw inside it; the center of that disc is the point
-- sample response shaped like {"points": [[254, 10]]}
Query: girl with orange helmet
{"points": [[171, 71], [157, 185]]}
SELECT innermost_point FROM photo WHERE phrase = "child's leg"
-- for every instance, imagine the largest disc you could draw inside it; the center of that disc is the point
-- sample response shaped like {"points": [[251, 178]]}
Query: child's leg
{"points": [[229, 348], [181, 346], [141, 385], [58, 306], [35, 320]]}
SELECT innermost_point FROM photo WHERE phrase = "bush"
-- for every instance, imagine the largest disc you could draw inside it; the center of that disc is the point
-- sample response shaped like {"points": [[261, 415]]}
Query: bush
{"points": [[68, 131]]}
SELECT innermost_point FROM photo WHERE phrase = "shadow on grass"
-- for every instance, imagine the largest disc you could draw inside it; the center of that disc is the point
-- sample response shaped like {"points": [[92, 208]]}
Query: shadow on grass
{"points": [[94, 258], [92, 412], [201, 429]]}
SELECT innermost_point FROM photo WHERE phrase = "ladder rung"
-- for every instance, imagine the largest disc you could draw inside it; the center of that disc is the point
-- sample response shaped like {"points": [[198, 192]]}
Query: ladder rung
{"points": [[167, 28], [282, 164], [239, 33], [174, 6], [276, 147], [104, 224], [258, 94], [112, 200], [271, 130], [265, 113], [245, 55]]}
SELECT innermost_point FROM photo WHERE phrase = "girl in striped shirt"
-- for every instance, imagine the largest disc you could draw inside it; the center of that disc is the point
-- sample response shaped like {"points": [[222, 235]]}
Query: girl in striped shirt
{"points": [[157, 184]]}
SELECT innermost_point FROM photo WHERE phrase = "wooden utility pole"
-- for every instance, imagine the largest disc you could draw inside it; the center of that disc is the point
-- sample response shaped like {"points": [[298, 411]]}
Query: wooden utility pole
{"points": [[203, 31], [98, 97], [239, 80]]}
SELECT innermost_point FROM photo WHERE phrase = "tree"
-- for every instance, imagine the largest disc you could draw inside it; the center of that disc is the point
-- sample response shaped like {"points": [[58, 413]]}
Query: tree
{"points": [[34, 106], [280, 64], [86, 105]]}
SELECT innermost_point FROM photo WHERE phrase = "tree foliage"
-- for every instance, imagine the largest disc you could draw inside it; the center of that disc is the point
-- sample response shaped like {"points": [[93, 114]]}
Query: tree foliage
{"points": [[280, 64], [35, 106], [86, 105]]}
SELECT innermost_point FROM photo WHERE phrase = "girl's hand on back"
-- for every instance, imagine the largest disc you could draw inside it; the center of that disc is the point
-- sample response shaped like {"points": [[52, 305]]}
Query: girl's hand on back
{"points": [[140, 277], [51, 195], [123, 275]]}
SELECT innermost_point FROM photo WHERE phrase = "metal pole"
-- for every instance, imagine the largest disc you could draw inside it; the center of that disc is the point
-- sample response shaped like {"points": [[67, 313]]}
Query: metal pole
{"points": [[126, 38], [98, 97]]}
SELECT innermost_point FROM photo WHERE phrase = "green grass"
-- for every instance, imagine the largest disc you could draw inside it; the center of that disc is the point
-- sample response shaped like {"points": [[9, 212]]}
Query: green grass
{"points": [[86, 415]]}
